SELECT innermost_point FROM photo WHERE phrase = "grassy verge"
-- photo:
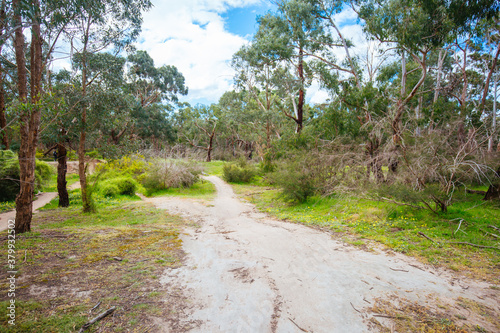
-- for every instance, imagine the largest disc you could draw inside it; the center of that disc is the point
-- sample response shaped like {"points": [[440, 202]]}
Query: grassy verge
{"points": [[51, 185], [402, 229], [7, 205], [72, 261], [201, 190], [214, 167]]}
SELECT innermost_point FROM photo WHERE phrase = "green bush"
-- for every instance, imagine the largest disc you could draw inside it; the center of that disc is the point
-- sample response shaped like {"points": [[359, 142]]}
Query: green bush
{"points": [[239, 172], [43, 171], [112, 187], [300, 178], [108, 189], [9, 175]]}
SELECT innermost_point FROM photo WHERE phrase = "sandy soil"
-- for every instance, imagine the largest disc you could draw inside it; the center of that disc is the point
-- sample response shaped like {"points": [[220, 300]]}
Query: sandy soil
{"points": [[246, 272]]}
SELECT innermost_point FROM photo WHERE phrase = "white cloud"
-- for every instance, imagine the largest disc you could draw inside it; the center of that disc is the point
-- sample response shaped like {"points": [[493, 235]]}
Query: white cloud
{"points": [[190, 35]]}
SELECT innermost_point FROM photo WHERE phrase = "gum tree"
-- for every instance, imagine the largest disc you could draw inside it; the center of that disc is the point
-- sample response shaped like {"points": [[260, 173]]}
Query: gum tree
{"points": [[100, 26]]}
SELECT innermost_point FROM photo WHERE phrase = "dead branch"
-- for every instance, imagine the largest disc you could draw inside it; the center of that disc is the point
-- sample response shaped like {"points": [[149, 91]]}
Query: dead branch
{"points": [[476, 245], [401, 203], [492, 226], [96, 319], [424, 235]]}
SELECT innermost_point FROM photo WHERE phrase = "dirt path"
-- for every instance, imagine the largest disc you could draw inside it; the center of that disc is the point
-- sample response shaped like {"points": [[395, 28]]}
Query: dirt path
{"points": [[248, 273], [41, 200]]}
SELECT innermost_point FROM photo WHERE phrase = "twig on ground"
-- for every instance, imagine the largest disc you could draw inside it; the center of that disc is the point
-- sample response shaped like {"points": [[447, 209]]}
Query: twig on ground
{"points": [[95, 307], [418, 267], [25, 253], [496, 228], [355, 308], [96, 319], [300, 328], [399, 270]]}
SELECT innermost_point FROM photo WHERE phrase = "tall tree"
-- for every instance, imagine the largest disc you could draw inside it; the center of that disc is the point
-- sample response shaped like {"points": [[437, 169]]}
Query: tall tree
{"points": [[99, 26]]}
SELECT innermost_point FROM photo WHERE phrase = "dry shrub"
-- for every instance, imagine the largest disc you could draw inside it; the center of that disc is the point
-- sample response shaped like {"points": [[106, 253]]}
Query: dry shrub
{"points": [[164, 174]]}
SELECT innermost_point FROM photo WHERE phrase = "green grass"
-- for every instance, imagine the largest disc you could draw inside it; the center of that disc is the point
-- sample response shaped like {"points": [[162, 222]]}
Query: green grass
{"points": [[398, 227], [7, 205], [214, 167], [200, 190], [69, 252], [51, 185]]}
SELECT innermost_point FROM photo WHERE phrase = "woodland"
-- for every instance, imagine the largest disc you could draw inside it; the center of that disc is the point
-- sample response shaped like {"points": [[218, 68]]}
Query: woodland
{"points": [[402, 158], [412, 122]]}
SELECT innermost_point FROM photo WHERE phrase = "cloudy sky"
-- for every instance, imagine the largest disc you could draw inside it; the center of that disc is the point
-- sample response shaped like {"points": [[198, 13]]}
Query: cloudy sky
{"points": [[199, 37]]}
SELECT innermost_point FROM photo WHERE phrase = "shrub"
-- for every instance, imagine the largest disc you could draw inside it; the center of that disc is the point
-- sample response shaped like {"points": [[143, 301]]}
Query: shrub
{"points": [[9, 175], [300, 178], [164, 174], [239, 172], [126, 185], [108, 189], [43, 171], [112, 187]]}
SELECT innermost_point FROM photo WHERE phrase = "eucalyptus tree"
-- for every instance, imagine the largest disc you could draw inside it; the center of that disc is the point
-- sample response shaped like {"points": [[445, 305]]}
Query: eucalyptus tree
{"points": [[198, 126], [155, 89], [287, 40], [99, 26]]}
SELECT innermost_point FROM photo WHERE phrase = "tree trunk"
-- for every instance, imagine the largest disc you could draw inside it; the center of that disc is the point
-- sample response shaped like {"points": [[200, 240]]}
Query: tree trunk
{"points": [[86, 199], [3, 119], [24, 200], [61, 176], [300, 106], [493, 192]]}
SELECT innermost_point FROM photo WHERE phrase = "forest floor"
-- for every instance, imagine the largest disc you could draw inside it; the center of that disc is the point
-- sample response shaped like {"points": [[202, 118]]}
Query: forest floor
{"points": [[246, 272]]}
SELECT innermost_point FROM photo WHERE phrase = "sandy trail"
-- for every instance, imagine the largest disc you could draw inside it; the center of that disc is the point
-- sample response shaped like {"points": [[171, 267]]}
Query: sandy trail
{"points": [[41, 200], [248, 273]]}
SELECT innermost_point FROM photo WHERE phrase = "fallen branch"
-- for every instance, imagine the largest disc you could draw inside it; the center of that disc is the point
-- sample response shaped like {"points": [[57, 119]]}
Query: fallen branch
{"points": [[476, 192], [424, 235], [496, 228], [96, 319], [476, 245], [401, 203], [300, 328], [489, 233]]}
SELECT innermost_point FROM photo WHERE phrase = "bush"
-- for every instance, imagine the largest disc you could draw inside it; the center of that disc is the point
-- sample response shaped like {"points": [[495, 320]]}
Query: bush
{"points": [[239, 172], [9, 175], [108, 189], [300, 178], [43, 171], [164, 174], [115, 186]]}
